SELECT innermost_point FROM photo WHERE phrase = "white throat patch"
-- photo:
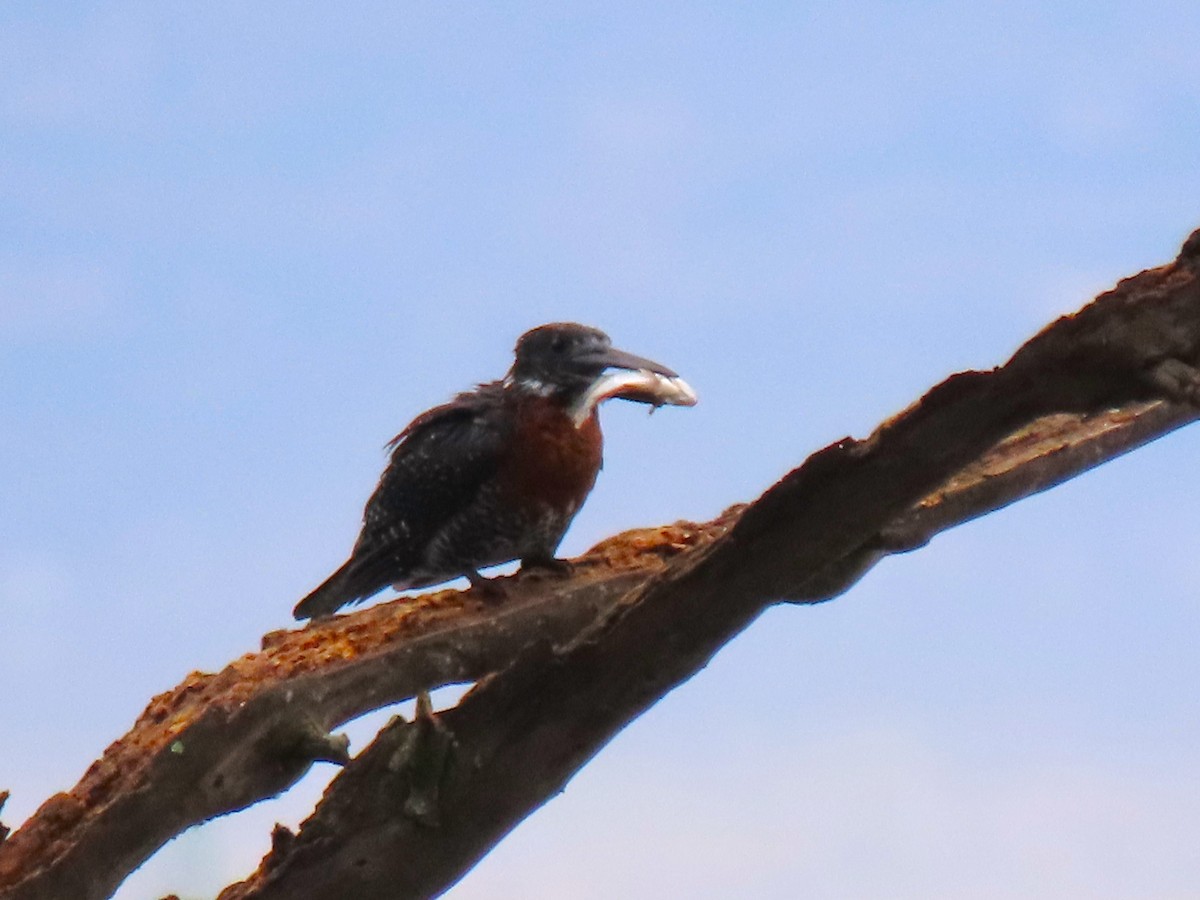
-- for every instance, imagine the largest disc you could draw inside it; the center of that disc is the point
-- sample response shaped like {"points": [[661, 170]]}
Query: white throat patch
{"points": [[532, 385]]}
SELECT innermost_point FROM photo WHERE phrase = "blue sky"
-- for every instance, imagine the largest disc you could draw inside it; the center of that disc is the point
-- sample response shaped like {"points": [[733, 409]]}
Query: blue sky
{"points": [[242, 246]]}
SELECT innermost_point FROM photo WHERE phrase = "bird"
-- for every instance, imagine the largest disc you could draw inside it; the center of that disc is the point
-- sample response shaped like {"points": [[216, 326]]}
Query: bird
{"points": [[498, 473]]}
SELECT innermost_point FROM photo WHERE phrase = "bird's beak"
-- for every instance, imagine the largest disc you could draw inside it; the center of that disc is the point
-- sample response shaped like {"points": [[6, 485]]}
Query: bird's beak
{"points": [[612, 358]]}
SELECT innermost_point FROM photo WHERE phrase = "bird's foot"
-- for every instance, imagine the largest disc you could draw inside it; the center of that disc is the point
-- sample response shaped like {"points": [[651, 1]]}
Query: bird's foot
{"points": [[552, 564], [490, 588]]}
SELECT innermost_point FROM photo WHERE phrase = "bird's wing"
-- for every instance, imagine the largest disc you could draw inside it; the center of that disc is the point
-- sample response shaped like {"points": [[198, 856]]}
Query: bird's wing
{"points": [[437, 467]]}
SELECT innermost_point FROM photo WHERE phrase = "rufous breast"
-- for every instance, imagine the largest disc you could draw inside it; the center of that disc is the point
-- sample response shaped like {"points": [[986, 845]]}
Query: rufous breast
{"points": [[550, 463]]}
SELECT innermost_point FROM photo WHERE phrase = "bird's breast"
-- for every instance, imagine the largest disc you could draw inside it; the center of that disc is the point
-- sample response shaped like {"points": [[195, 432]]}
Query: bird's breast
{"points": [[550, 463]]}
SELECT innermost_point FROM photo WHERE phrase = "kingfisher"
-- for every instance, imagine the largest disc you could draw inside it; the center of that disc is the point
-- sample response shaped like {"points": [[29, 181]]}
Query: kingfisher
{"points": [[498, 473]]}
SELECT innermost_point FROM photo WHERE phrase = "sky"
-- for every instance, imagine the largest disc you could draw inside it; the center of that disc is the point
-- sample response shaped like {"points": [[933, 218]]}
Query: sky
{"points": [[242, 245]]}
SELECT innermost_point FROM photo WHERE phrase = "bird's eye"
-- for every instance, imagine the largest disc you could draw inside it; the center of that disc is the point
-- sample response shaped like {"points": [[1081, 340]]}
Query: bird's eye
{"points": [[558, 345]]}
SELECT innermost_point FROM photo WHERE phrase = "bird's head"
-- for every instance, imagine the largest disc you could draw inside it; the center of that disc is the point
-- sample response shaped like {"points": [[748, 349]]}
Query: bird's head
{"points": [[573, 361]]}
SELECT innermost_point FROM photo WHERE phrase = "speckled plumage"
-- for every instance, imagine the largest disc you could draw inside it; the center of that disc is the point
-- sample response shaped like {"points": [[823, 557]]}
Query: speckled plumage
{"points": [[497, 474]]}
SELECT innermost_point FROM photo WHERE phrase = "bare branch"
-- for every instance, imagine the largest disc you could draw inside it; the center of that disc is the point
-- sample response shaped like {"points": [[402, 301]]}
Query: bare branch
{"points": [[563, 665], [973, 443]]}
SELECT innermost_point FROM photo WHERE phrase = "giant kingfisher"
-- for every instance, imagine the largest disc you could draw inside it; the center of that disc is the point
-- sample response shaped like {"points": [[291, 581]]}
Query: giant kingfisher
{"points": [[498, 473]]}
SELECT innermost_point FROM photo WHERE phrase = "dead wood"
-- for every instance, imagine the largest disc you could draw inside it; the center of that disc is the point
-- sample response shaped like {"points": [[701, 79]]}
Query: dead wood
{"points": [[561, 665]]}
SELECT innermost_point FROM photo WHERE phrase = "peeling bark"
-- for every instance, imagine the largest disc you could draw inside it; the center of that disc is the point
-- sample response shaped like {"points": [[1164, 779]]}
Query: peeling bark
{"points": [[560, 664]]}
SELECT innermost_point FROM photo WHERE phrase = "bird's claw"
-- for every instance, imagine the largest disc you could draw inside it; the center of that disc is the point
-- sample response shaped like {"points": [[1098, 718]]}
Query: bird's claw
{"points": [[551, 564], [490, 588]]}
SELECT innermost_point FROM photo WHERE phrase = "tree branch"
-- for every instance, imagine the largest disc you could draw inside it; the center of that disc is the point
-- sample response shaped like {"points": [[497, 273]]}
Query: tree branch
{"points": [[562, 665]]}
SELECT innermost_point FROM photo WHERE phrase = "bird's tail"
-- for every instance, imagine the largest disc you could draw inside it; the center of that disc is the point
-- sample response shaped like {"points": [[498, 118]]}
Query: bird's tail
{"points": [[331, 595]]}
